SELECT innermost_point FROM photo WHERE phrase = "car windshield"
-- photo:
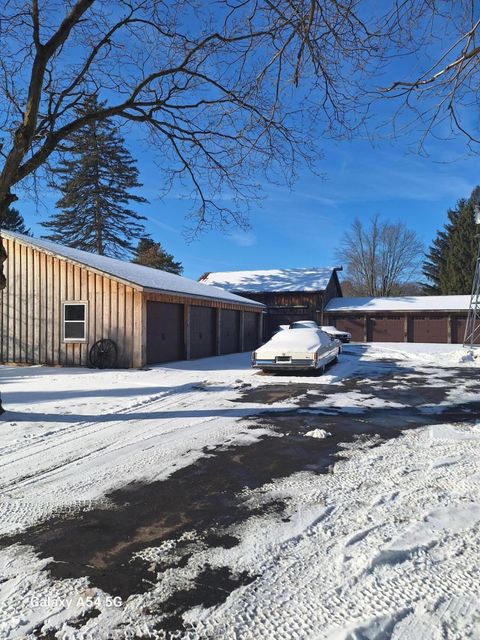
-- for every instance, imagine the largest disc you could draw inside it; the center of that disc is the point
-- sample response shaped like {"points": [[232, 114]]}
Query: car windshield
{"points": [[308, 324]]}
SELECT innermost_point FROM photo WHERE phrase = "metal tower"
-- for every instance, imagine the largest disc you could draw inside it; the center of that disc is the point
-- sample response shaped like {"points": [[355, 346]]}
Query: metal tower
{"points": [[472, 329]]}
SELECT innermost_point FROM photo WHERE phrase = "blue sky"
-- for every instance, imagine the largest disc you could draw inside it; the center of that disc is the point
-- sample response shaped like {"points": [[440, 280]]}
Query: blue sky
{"points": [[302, 226]]}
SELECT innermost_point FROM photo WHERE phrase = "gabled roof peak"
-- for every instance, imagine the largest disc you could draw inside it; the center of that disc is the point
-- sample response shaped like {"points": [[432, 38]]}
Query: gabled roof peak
{"points": [[307, 279]]}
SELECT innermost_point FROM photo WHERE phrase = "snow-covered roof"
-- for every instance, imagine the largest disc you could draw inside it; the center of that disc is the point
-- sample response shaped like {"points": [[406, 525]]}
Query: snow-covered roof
{"points": [[401, 303], [271, 280], [135, 274]]}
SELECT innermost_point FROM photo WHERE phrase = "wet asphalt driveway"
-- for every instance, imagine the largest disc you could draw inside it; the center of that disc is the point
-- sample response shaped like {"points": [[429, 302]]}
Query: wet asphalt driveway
{"points": [[206, 497]]}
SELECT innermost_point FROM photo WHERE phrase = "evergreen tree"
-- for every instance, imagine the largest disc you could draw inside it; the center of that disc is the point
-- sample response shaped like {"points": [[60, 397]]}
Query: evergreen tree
{"points": [[434, 265], [450, 263], [152, 254], [13, 221], [95, 178]]}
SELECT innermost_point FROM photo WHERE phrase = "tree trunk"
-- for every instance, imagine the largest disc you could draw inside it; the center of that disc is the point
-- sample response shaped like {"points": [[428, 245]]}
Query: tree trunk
{"points": [[5, 202], [3, 281]]}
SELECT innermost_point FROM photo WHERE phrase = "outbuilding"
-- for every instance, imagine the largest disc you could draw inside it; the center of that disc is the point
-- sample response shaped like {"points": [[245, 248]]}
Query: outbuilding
{"points": [[60, 301], [401, 319], [290, 295]]}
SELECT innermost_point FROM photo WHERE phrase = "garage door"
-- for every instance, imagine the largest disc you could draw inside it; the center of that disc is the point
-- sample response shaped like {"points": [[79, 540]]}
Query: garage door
{"points": [[229, 331], [459, 324], [352, 324], [164, 332], [250, 331], [386, 329], [429, 328], [202, 332]]}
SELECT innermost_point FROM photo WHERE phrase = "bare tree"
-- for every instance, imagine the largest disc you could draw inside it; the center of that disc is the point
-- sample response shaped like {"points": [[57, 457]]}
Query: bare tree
{"points": [[439, 95], [217, 86], [381, 258], [225, 91]]}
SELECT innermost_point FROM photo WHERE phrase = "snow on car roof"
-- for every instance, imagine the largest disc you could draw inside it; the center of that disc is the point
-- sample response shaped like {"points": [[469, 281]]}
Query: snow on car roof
{"points": [[304, 338], [304, 323], [400, 303], [271, 280], [136, 274]]}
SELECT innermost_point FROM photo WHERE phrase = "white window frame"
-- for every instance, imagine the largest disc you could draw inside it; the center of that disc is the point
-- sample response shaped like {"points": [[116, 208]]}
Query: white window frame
{"points": [[84, 322]]}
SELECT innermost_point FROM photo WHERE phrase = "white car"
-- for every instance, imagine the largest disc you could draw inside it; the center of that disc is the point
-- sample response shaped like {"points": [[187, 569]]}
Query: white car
{"points": [[334, 333], [299, 349]]}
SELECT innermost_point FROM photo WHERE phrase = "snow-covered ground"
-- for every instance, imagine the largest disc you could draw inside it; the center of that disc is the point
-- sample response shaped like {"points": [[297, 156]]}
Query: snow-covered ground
{"points": [[385, 546]]}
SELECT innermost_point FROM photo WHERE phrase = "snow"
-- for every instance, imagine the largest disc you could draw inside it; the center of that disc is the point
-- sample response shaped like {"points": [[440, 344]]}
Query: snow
{"points": [[405, 303], [436, 354], [271, 280], [83, 433], [333, 331], [295, 340], [391, 547], [318, 433], [136, 274], [386, 545]]}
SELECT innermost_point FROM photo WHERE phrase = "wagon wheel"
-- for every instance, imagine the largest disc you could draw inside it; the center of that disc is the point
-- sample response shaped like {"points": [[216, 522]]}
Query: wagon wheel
{"points": [[103, 354]]}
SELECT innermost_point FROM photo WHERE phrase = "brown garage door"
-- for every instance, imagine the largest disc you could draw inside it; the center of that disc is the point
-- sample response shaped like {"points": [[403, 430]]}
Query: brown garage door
{"points": [[164, 332], [250, 331], [386, 329], [229, 331], [458, 329], [429, 328], [202, 332], [352, 324]]}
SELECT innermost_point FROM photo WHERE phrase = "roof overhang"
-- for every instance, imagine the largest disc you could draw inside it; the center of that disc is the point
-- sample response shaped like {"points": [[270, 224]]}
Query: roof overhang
{"points": [[133, 285]]}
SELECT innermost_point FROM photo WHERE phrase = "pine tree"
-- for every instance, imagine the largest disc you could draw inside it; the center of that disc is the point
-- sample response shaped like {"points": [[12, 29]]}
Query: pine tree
{"points": [[450, 263], [434, 265], [460, 265], [152, 254], [95, 177], [13, 221]]}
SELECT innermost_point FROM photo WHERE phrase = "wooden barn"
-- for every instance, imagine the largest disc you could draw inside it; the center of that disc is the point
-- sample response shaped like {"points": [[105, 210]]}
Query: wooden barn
{"points": [[289, 294], [60, 301], [401, 319]]}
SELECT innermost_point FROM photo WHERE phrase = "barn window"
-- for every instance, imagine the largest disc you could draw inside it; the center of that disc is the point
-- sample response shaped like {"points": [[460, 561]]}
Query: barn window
{"points": [[74, 321]]}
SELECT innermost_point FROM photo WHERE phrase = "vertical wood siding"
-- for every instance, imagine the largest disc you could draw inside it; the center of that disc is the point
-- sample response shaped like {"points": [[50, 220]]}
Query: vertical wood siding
{"points": [[31, 310]]}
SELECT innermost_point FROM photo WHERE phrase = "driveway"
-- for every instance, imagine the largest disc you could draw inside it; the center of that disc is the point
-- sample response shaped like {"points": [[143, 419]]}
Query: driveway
{"points": [[229, 461]]}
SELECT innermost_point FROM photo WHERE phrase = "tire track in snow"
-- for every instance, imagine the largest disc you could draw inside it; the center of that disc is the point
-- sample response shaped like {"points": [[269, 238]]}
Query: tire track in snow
{"points": [[196, 399], [119, 449], [342, 576], [81, 424]]}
